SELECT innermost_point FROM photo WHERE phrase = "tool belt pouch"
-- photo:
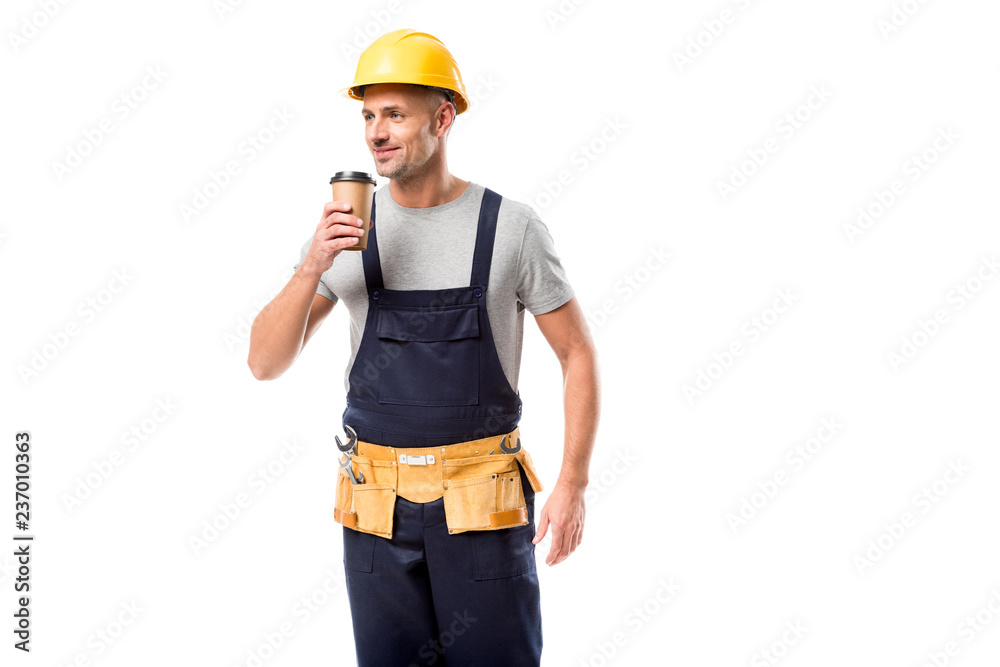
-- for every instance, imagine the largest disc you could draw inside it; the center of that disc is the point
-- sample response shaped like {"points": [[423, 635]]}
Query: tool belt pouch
{"points": [[367, 507], [485, 492]]}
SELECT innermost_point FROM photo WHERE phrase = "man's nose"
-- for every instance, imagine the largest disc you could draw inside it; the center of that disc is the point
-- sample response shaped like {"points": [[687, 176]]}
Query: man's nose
{"points": [[378, 131]]}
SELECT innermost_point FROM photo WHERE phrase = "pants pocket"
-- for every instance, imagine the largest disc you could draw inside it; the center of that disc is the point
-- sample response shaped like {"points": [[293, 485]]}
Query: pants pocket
{"points": [[498, 554], [359, 550]]}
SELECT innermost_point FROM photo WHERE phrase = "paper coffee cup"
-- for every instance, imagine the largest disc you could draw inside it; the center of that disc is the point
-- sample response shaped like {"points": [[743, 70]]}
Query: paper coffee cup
{"points": [[356, 188]]}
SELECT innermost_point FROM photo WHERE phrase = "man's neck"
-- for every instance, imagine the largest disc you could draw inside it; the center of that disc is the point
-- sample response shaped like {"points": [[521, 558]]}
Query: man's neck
{"points": [[427, 192]]}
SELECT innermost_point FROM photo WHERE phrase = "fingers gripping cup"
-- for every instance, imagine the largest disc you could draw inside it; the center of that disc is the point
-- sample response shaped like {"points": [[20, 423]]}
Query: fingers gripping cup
{"points": [[356, 188]]}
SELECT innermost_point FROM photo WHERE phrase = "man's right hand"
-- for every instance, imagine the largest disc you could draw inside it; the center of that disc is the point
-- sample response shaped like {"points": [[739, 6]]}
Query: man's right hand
{"points": [[337, 229]]}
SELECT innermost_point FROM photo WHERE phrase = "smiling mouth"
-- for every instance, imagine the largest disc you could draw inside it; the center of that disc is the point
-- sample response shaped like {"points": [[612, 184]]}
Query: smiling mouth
{"points": [[383, 152]]}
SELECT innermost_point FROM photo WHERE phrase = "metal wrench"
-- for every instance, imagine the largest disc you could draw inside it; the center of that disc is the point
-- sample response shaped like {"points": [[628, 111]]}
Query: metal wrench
{"points": [[352, 442], [345, 463], [507, 450]]}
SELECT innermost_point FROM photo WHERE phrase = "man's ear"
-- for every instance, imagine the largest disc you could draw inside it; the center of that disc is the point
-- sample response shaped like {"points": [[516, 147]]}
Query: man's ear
{"points": [[444, 115]]}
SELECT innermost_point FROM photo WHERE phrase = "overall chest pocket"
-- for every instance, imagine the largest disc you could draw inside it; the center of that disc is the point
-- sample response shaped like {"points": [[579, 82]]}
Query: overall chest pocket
{"points": [[428, 356]]}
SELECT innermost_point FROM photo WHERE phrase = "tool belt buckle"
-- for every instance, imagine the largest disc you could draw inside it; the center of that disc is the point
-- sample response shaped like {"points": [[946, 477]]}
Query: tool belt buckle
{"points": [[414, 460]]}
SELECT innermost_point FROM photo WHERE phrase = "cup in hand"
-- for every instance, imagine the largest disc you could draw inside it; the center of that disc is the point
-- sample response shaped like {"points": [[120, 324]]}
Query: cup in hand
{"points": [[356, 188]]}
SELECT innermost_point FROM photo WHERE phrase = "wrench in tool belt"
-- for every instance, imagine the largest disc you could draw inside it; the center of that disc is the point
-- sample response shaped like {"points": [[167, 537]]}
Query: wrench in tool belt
{"points": [[345, 463], [352, 441], [508, 450]]}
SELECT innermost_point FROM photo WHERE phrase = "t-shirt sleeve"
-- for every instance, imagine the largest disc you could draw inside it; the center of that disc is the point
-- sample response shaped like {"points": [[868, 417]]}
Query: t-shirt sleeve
{"points": [[322, 289], [541, 279]]}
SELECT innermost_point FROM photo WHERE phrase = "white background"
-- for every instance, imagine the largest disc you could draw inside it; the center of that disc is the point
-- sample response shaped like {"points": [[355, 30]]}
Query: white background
{"points": [[669, 470]]}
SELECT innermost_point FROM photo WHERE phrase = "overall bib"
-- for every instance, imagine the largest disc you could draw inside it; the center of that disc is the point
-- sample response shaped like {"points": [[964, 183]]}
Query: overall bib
{"points": [[427, 374]]}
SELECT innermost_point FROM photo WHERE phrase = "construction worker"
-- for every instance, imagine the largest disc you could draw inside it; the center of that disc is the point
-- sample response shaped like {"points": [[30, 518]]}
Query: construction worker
{"points": [[437, 497]]}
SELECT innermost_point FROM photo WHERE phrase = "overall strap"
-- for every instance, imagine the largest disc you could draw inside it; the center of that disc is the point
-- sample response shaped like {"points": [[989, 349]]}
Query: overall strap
{"points": [[482, 258], [369, 257], [485, 234]]}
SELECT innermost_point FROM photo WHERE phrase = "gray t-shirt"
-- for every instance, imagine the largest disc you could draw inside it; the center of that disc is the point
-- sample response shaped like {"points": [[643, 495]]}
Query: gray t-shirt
{"points": [[432, 248]]}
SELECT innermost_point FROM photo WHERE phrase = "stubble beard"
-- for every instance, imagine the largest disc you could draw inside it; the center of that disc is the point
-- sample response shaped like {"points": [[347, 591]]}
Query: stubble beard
{"points": [[402, 169]]}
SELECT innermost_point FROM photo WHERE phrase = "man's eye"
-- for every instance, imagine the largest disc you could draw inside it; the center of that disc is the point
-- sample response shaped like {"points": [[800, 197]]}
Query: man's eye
{"points": [[397, 114]]}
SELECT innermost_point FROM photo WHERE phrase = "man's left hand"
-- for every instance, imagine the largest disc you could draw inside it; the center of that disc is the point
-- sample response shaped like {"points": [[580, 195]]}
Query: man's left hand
{"points": [[565, 511]]}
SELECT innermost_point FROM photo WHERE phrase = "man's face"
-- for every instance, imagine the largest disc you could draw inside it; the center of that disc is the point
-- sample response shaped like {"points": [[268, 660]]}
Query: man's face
{"points": [[398, 129]]}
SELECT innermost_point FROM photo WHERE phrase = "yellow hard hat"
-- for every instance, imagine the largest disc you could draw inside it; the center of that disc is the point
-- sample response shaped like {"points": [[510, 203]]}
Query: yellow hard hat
{"points": [[408, 56]]}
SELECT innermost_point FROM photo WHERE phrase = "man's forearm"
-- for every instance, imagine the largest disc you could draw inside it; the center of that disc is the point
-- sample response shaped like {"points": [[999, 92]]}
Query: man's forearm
{"points": [[278, 331], [582, 405]]}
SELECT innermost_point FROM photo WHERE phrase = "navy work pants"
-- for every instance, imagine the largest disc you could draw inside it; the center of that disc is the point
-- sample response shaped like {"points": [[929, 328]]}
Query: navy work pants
{"points": [[427, 597]]}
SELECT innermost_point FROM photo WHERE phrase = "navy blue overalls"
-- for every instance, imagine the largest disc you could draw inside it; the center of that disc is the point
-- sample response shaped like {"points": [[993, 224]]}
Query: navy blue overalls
{"points": [[427, 373]]}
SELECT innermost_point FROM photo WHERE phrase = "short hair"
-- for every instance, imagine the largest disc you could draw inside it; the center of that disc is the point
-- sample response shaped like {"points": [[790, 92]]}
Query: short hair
{"points": [[434, 98]]}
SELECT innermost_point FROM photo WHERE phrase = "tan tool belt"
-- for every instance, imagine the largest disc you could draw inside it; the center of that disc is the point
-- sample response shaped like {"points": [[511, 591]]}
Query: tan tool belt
{"points": [[481, 491]]}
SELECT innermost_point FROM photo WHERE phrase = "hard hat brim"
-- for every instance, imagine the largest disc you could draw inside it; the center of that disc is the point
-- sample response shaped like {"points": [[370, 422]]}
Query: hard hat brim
{"points": [[461, 103]]}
